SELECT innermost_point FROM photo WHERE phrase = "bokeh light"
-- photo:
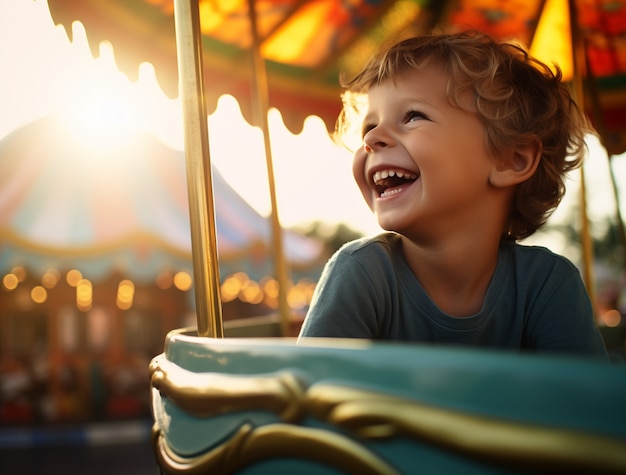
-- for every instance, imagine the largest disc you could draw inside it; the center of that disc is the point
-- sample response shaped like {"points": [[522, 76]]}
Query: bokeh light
{"points": [[10, 281], [183, 281], [73, 277], [125, 294], [39, 294], [84, 294], [50, 278]]}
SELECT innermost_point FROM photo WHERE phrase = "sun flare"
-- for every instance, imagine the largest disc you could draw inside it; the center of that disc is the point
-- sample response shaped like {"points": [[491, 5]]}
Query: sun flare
{"points": [[98, 105], [51, 75]]}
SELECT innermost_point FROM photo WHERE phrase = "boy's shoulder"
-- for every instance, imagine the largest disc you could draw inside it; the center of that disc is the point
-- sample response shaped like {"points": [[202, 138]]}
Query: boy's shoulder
{"points": [[533, 256], [385, 242], [386, 249], [377, 259]]}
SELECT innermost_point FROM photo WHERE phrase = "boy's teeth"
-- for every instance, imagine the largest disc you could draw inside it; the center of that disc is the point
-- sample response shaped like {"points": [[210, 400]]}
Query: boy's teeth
{"points": [[383, 174]]}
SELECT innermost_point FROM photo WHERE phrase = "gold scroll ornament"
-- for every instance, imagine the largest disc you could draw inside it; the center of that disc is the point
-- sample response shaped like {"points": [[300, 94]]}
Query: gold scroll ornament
{"points": [[367, 415]]}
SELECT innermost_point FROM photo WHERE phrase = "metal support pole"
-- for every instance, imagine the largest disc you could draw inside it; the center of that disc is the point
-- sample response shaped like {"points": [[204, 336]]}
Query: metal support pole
{"points": [[261, 106], [198, 163], [578, 58]]}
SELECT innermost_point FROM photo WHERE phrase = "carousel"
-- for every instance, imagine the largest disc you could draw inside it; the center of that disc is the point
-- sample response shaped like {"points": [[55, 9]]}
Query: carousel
{"points": [[272, 405]]}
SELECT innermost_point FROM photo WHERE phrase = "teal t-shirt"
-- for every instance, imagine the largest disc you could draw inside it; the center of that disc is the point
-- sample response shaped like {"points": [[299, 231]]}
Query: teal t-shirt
{"points": [[536, 300]]}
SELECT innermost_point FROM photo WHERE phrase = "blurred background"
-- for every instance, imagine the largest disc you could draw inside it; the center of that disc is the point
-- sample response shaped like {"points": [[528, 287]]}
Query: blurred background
{"points": [[95, 248]]}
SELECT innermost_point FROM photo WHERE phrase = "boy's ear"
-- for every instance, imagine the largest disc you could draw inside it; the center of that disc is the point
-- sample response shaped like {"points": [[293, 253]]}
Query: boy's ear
{"points": [[517, 167]]}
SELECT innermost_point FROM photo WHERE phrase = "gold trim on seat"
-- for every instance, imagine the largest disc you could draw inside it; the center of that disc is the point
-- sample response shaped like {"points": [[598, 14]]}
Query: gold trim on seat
{"points": [[365, 416]]}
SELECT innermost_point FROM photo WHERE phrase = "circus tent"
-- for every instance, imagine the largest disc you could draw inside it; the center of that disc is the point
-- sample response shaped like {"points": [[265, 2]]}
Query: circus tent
{"points": [[120, 203]]}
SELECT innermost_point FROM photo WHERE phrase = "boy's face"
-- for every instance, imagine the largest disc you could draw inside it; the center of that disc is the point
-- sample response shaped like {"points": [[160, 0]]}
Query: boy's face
{"points": [[438, 151]]}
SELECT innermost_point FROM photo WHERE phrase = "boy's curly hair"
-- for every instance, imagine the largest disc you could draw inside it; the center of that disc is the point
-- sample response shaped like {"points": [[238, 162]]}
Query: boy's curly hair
{"points": [[518, 98]]}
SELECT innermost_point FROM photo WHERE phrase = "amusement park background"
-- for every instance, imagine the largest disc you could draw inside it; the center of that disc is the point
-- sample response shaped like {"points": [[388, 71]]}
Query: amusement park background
{"points": [[95, 249]]}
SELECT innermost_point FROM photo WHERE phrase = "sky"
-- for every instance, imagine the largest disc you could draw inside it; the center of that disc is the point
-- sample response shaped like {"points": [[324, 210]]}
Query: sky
{"points": [[43, 73]]}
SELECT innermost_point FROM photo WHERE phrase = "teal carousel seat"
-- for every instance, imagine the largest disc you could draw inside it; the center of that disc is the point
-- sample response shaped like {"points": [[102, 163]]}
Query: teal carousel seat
{"points": [[271, 406]]}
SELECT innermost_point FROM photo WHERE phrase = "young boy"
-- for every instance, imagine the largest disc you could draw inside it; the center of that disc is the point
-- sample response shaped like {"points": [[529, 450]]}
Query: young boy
{"points": [[466, 143]]}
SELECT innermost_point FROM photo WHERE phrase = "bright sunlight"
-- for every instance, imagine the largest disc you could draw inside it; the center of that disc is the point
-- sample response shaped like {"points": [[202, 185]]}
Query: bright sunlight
{"points": [[312, 174]]}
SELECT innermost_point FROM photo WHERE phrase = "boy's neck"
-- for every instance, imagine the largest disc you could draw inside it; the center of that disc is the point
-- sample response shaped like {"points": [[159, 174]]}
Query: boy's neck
{"points": [[455, 274]]}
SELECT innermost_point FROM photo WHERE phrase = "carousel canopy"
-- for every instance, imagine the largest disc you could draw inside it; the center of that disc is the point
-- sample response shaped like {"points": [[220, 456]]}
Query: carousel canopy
{"points": [[306, 44]]}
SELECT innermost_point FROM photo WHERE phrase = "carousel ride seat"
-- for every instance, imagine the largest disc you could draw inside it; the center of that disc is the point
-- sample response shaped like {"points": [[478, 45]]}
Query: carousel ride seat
{"points": [[274, 406]]}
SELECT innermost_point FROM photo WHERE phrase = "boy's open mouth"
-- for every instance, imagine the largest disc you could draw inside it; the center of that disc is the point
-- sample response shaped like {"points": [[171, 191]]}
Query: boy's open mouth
{"points": [[391, 180]]}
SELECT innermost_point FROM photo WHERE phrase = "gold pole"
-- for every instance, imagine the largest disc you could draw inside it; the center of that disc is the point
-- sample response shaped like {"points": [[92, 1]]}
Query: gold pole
{"points": [[261, 105], [587, 245], [198, 163], [578, 55]]}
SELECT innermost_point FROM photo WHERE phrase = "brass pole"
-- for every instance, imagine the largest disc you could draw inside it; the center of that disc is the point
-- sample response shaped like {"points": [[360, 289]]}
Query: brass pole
{"points": [[198, 164], [578, 55], [261, 106]]}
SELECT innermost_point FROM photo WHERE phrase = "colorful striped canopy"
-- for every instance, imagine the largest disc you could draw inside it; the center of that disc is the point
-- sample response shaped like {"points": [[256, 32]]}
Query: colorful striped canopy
{"points": [[65, 203]]}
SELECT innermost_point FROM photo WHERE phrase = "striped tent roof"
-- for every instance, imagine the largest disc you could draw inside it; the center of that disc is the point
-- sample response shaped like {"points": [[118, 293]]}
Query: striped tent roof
{"points": [[122, 203]]}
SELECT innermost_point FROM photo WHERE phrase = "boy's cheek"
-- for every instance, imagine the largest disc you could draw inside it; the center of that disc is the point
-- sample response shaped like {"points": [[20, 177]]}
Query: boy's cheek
{"points": [[358, 172]]}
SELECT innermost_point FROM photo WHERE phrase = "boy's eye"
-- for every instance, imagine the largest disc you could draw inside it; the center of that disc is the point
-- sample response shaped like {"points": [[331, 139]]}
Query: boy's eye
{"points": [[411, 116]]}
